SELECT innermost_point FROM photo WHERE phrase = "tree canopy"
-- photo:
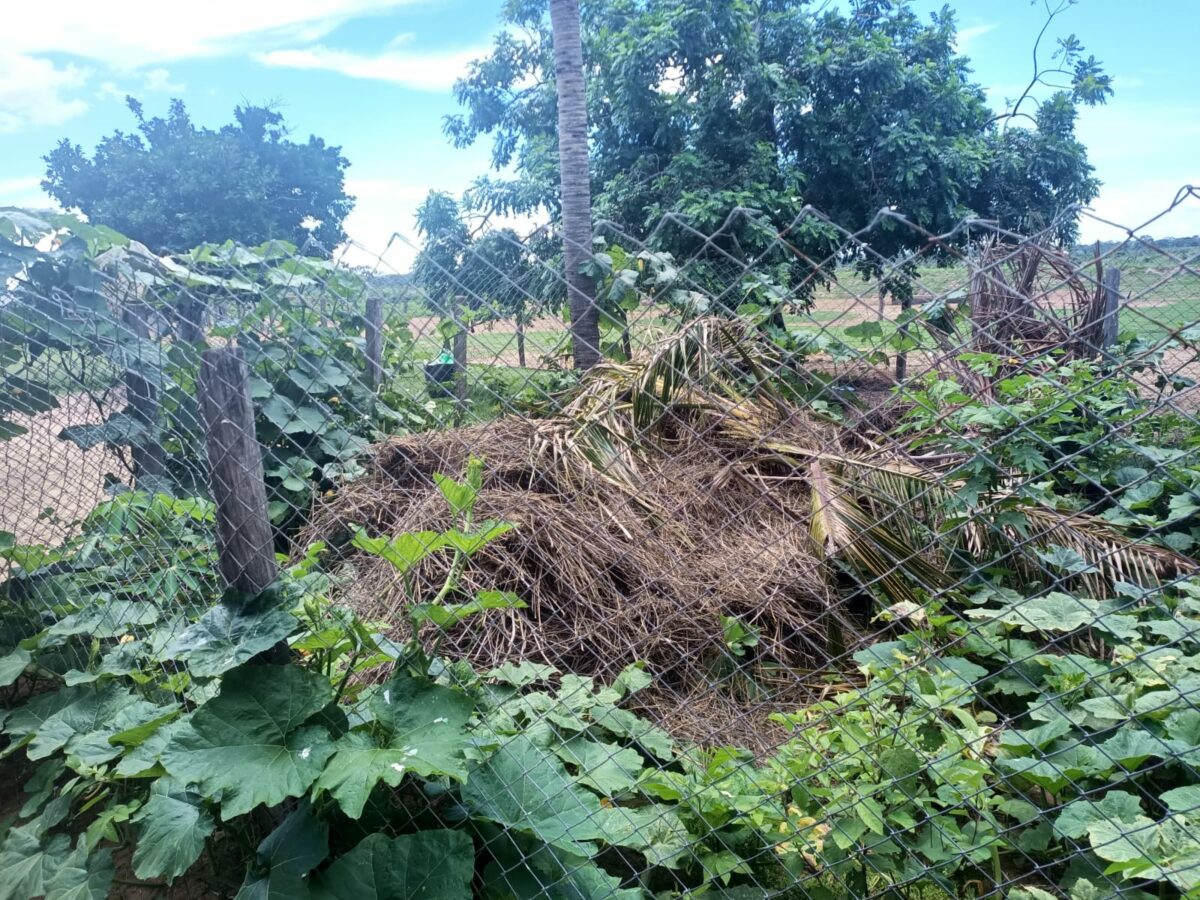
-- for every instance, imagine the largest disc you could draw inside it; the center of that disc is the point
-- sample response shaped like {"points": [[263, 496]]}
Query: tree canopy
{"points": [[701, 108], [173, 185]]}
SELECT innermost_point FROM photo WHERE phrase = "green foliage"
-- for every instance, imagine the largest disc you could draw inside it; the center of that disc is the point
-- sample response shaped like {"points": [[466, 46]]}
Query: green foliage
{"points": [[172, 185], [294, 317], [1076, 435], [730, 117]]}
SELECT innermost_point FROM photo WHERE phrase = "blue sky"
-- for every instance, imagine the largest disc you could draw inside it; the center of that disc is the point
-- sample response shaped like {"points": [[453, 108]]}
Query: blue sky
{"points": [[375, 77]]}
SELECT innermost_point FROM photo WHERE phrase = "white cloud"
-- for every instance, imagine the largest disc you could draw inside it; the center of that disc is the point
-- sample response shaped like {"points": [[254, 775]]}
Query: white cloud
{"points": [[1141, 206], [382, 229], [384, 207], [137, 33], [26, 192], [33, 92], [967, 36], [159, 81], [420, 71], [155, 81]]}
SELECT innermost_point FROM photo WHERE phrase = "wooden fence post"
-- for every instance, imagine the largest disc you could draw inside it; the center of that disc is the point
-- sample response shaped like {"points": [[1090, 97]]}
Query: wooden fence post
{"points": [[141, 399], [902, 355], [244, 535], [374, 335], [459, 349], [1110, 324]]}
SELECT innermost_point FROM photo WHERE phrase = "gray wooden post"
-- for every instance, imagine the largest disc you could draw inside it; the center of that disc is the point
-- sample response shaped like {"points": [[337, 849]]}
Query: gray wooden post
{"points": [[374, 335], [902, 355], [141, 399], [1110, 324], [191, 317], [244, 535], [459, 349]]}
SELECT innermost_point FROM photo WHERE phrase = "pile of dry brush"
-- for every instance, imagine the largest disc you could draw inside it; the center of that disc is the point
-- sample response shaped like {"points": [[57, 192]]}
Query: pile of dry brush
{"points": [[670, 497]]}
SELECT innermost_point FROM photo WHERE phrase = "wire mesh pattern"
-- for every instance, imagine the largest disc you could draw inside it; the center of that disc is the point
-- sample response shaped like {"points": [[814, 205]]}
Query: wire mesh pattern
{"points": [[839, 577]]}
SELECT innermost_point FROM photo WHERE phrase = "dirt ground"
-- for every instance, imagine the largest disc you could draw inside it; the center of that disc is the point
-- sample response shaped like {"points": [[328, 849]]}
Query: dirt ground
{"points": [[46, 483]]}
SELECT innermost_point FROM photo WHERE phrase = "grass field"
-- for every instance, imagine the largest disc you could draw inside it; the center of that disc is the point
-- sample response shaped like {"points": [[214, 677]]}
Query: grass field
{"points": [[1158, 300]]}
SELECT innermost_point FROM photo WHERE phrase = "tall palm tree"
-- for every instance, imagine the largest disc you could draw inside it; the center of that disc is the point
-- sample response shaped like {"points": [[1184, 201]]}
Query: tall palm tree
{"points": [[573, 172]]}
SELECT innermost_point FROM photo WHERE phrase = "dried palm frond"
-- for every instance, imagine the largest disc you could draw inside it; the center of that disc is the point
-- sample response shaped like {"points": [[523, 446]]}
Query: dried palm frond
{"points": [[883, 515], [880, 553]]}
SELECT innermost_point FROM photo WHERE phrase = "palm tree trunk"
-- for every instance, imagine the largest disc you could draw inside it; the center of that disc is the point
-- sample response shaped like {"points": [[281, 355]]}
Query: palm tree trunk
{"points": [[574, 175]]}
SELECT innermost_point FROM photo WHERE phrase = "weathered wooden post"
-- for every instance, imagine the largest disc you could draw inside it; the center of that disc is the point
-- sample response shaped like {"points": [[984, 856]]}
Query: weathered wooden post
{"points": [[902, 354], [374, 336], [459, 349], [141, 400], [1110, 324], [244, 535]]}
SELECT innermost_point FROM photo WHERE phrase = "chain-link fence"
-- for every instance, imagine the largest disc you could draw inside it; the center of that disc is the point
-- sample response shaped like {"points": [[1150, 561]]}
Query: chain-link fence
{"points": [[842, 575]]}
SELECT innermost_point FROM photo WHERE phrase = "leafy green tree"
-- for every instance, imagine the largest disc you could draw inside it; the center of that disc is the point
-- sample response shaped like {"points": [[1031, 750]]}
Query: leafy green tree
{"points": [[498, 276], [173, 185], [437, 267], [730, 117]]}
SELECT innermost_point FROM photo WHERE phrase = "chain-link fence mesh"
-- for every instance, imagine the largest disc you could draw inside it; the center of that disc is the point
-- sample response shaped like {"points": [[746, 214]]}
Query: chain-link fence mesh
{"points": [[840, 576]]}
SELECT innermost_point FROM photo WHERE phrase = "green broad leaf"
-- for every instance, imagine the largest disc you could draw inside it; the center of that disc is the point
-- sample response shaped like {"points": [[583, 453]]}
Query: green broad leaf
{"points": [[655, 831], [119, 429], [29, 861], [1131, 746], [108, 618], [1182, 506], [473, 541], [885, 654], [459, 495], [606, 768], [1085, 889], [172, 829], [1055, 770], [1123, 841], [1066, 560], [139, 734], [428, 865], [632, 679], [291, 417], [82, 875], [249, 744], [419, 728], [1017, 740], [142, 760], [447, 615], [623, 723], [232, 633], [1184, 800], [120, 660], [525, 788], [317, 376], [404, 550], [13, 666], [521, 674], [1079, 815], [1056, 612], [523, 869], [10, 430], [870, 813], [286, 856], [1031, 893], [958, 671], [82, 726]]}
